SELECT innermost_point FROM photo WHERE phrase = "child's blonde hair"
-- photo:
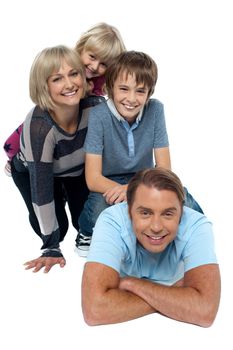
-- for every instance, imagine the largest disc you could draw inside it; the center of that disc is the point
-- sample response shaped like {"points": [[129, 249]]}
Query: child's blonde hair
{"points": [[104, 40], [45, 63]]}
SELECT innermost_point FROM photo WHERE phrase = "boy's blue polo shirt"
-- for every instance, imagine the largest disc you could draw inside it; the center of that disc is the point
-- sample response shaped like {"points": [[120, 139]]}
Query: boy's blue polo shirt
{"points": [[126, 148]]}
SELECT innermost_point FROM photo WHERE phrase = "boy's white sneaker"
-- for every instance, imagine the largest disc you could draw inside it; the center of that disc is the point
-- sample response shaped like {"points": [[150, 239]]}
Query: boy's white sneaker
{"points": [[82, 244]]}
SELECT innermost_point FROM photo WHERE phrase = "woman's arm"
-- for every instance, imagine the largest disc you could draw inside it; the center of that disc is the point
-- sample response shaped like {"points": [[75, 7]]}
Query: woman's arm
{"points": [[39, 144]]}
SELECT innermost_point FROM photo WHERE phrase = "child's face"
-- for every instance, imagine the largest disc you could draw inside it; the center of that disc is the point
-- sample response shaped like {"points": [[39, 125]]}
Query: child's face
{"points": [[66, 86], [128, 97], [93, 66]]}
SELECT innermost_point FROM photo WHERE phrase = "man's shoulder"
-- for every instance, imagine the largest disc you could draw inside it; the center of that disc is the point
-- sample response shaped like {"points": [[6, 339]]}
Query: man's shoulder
{"points": [[190, 221], [117, 215], [116, 212], [112, 237]]}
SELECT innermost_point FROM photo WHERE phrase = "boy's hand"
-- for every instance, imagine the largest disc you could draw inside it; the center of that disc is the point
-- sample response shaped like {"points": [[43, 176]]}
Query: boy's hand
{"points": [[116, 194]]}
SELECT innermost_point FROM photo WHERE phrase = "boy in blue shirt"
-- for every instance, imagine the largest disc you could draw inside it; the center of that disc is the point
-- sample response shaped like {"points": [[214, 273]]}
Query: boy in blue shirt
{"points": [[125, 135]]}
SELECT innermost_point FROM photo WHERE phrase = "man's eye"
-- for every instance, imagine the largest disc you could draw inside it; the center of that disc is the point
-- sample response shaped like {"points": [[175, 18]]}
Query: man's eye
{"points": [[145, 213], [169, 214]]}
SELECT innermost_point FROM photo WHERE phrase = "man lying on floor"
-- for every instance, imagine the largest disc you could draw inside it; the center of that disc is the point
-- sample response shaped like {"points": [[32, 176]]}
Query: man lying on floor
{"points": [[151, 254]]}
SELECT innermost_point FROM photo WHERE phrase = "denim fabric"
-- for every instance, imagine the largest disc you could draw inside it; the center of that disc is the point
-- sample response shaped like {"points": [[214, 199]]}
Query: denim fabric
{"points": [[95, 204], [191, 202]]}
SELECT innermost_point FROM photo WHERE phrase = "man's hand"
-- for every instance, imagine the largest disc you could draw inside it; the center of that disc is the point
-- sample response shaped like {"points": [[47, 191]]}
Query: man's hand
{"points": [[116, 194], [44, 261]]}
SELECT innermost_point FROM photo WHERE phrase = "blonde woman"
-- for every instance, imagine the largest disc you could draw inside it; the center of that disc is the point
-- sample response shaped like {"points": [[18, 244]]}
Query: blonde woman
{"points": [[51, 157]]}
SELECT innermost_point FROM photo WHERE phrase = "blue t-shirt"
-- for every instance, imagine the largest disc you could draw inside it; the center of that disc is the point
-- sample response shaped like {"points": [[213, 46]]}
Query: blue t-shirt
{"points": [[114, 244], [126, 148]]}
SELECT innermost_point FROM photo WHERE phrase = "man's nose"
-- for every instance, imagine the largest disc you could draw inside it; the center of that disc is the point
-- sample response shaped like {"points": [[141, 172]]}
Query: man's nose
{"points": [[156, 224]]}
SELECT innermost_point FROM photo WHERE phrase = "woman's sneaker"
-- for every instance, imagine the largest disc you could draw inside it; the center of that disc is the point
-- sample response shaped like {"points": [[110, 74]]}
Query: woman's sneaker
{"points": [[82, 244]]}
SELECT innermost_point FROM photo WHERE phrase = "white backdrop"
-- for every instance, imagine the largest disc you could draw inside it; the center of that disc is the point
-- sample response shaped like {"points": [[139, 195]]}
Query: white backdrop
{"points": [[191, 41]]}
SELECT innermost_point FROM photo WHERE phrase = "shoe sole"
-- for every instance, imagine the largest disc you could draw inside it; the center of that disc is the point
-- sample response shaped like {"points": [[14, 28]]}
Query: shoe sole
{"points": [[80, 252]]}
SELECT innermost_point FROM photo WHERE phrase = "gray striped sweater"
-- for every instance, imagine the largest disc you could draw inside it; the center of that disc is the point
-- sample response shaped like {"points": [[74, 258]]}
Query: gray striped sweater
{"points": [[47, 151]]}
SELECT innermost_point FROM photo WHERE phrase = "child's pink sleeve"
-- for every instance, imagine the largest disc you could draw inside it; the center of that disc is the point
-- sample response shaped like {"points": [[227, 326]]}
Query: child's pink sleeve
{"points": [[11, 146], [98, 88]]}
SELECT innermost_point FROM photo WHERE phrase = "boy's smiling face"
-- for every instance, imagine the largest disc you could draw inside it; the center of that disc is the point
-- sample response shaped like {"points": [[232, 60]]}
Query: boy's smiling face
{"points": [[129, 97]]}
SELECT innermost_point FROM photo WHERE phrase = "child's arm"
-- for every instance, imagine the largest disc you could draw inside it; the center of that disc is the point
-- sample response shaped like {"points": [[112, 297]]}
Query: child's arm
{"points": [[96, 182], [162, 157], [12, 144]]}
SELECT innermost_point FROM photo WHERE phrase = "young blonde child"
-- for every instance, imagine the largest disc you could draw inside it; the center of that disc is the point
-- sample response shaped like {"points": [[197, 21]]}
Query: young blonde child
{"points": [[97, 48]]}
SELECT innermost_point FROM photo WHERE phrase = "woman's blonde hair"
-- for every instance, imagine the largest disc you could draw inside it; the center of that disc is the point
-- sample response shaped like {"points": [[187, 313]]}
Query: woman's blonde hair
{"points": [[104, 40], [46, 63]]}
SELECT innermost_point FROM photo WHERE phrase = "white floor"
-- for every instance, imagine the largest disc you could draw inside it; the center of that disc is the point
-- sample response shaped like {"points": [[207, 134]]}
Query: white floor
{"points": [[191, 42], [43, 310]]}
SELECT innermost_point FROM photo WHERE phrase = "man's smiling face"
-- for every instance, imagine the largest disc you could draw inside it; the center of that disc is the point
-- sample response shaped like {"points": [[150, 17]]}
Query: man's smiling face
{"points": [[155, 216]]}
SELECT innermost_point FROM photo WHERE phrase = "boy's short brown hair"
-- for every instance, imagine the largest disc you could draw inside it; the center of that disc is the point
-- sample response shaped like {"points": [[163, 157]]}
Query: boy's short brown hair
{"points": [[139, 64]]}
